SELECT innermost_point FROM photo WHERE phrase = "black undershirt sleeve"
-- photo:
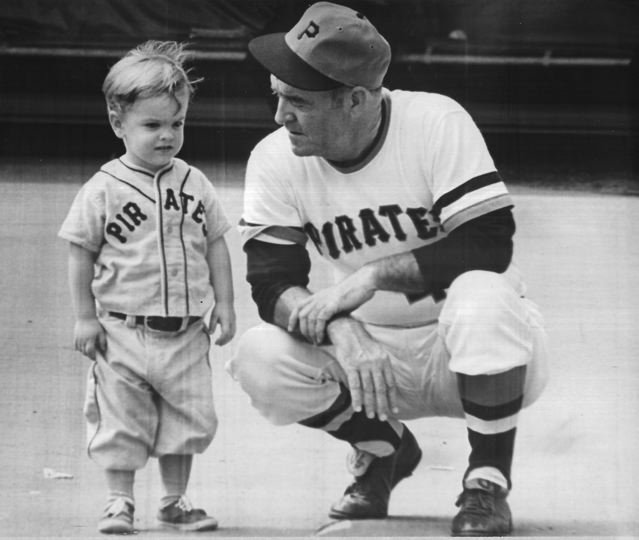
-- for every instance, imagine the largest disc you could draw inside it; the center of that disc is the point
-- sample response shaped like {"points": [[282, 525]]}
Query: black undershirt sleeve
{"points": [[273, 268], [483, 243]]}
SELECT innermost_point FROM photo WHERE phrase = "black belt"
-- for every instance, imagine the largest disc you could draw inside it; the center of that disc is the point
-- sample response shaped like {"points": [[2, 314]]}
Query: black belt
{"points": [[163, 324]]}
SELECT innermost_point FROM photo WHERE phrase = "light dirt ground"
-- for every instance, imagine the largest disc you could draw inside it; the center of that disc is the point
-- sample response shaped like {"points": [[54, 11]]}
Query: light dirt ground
{"points": [[576, 465]]}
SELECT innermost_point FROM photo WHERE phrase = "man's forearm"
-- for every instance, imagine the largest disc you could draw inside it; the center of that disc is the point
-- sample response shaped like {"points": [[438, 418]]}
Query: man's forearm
{"points": [[484, 243], [398, 273]]}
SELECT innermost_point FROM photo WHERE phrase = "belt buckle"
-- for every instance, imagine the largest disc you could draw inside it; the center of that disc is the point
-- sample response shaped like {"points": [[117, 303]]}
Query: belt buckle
{"points": [[165, 324]]}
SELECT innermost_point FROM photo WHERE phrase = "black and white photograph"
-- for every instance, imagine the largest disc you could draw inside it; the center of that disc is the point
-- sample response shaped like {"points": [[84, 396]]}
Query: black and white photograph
{"points": [[295, 269]]}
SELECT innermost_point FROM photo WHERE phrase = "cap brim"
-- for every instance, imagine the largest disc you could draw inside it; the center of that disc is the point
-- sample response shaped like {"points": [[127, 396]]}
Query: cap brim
{"points": [[276, 56]]}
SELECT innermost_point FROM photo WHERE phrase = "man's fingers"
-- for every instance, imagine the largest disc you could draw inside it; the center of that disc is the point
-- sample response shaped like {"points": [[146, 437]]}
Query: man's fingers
{"points": [[354, 385], [306, 323], [391, 388], [293, 319], [381, 396], [304, 328], [368, 394], [320, 331]]}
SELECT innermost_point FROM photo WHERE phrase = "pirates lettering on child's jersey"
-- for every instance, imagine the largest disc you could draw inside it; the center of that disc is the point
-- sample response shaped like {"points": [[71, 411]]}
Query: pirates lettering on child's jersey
{"points": [[131, 215], [370, 227]]}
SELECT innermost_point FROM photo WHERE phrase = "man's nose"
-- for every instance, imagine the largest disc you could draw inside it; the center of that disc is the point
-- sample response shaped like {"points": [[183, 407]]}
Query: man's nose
{"points": [[283, 114]]}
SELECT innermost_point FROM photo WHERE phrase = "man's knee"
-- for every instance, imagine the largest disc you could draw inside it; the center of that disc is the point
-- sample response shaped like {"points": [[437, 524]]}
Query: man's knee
{"points": [[284, 378], [477, 293], [485, 325], [255, 363]]}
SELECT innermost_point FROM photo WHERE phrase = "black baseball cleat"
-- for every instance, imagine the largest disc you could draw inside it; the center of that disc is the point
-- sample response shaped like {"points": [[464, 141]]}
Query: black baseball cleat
{"points": [[367, 497], [483, 511]]}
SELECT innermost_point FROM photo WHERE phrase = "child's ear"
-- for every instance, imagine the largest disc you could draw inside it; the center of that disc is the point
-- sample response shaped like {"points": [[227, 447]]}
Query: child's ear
{"points": [[116, 124]]}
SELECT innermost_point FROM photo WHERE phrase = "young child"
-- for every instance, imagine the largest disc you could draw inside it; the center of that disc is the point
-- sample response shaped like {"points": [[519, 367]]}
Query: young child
{"points": [[147, 261]]}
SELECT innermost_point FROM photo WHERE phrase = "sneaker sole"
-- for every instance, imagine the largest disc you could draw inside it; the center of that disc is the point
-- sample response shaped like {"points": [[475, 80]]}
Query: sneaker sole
{"points": [[115, 527], [336, 514], [203, 525], [469, 534]]}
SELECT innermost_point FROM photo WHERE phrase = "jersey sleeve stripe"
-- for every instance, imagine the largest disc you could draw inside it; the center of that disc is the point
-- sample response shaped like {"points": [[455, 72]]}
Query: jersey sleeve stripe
{"points": [[249, 231], [476, 210], [471, 185]]}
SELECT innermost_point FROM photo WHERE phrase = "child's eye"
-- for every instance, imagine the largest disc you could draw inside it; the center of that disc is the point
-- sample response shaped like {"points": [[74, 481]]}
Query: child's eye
{"points": [[178, 124], [152, 125]]}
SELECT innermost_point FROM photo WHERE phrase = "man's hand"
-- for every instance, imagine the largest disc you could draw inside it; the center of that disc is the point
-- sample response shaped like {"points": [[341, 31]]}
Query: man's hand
{"points": [[313, 313], [224, 316], [367, 366], [89, 337]]}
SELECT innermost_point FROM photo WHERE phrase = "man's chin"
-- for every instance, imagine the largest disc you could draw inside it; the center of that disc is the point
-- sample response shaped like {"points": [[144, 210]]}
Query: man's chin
{"points": [[300, 150], [297, 145]]}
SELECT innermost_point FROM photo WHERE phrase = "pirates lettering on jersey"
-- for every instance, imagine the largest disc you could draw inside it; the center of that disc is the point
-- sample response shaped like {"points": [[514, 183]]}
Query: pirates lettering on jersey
{"points": [[131, 215], [370, 227]]}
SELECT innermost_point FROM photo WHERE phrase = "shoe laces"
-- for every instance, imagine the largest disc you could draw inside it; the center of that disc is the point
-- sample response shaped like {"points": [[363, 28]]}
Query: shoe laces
{"points": [[118, 506], [184, 504], [477, 501]]}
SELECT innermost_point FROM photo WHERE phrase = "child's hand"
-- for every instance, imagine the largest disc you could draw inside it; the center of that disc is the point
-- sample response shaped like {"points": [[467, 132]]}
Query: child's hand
{"points": [[89, 337], [224, 316]]}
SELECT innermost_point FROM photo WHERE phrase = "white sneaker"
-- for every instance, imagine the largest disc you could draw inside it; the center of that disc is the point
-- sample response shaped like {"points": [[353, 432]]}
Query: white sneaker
{"points": [[117, 517]]}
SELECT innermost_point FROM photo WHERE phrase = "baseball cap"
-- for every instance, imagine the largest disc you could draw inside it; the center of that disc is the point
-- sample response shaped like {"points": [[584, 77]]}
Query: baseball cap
{"points": [[330, 46]]}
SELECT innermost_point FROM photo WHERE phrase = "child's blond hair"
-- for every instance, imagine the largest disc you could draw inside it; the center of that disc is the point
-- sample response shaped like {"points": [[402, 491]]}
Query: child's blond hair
{"points": [[151, 69]]}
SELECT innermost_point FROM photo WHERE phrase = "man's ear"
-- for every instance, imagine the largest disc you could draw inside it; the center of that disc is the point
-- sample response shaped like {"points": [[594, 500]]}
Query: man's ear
{"points": [[116, 124], [358, 98]]}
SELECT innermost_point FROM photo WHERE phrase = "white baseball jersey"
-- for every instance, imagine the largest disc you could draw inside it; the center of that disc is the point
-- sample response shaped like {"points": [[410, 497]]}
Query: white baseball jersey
{"points": [[151, 234], [419, 183]]}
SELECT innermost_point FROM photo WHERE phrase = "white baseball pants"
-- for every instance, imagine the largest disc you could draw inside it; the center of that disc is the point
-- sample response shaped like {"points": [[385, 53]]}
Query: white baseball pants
{"points": [[484, 328]]}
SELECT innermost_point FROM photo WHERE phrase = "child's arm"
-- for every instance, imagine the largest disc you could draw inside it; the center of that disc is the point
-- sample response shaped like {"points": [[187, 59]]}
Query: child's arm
{"points": [[88, 334], [223, 313]]}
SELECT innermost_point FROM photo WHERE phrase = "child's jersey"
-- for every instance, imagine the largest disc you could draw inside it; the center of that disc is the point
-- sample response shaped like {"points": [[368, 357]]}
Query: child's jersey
{"points": [[151, 234]]}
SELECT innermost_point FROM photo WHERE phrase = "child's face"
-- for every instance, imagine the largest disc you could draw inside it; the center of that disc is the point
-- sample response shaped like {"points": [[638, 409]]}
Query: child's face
{"points": [[152, 129]]}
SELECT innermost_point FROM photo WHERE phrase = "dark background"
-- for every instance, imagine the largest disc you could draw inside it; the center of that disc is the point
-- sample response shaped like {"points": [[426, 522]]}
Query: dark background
{"points": [[551, 83]]}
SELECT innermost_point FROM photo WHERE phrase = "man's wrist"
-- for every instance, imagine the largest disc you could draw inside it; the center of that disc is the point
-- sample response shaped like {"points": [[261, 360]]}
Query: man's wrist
{"points": [[342, 325], [369, 274]]}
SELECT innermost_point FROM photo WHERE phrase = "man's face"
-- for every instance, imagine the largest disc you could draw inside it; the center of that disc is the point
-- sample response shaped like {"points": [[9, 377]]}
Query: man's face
{"points": [[315, 122]]}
